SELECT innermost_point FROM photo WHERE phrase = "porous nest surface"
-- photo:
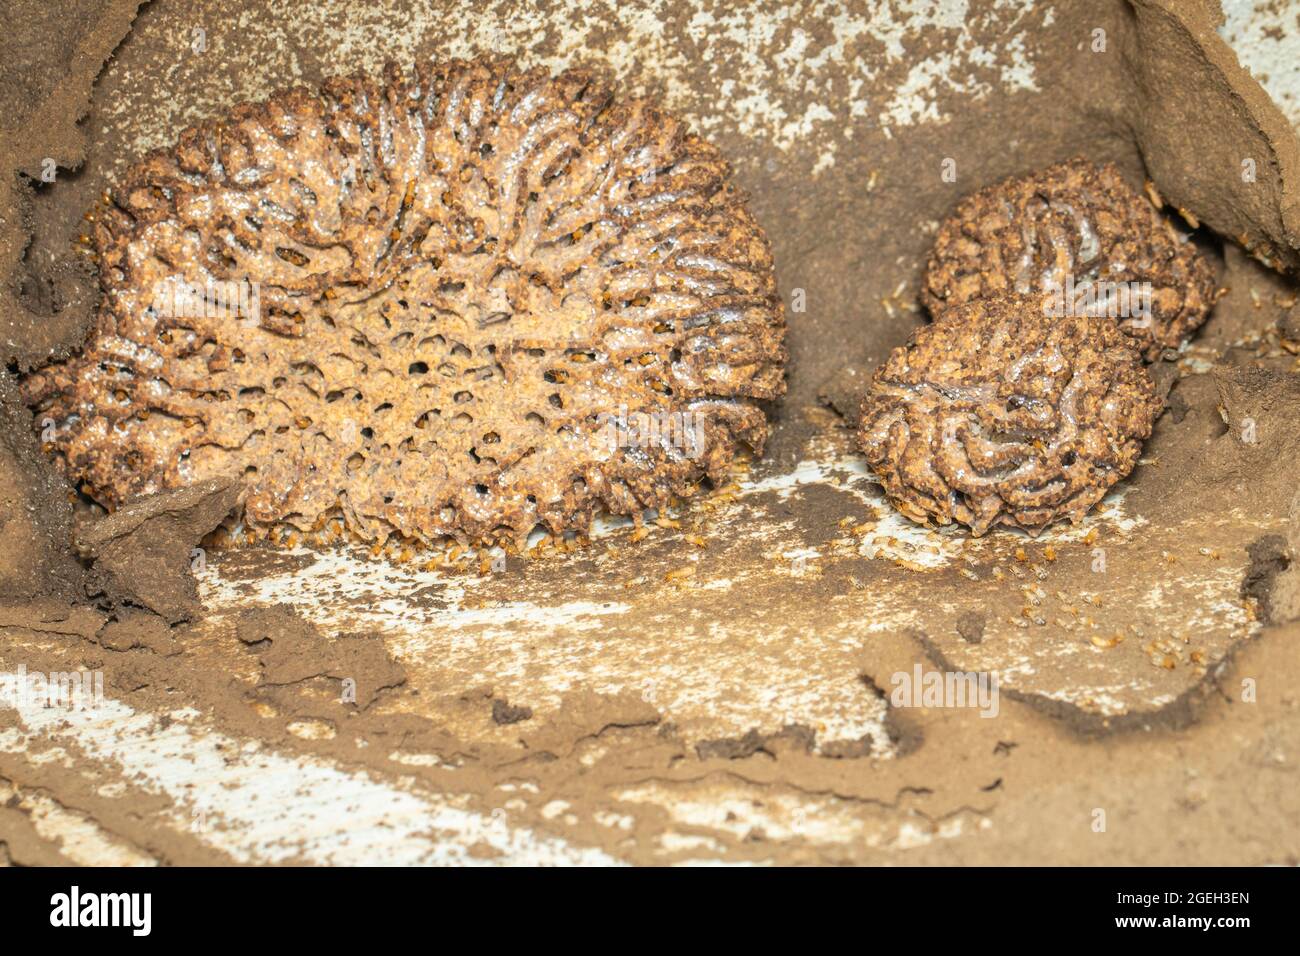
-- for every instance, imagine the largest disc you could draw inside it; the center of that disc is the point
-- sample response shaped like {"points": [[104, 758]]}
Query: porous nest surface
{"points": [[455, 303], [1078, 228], [1000, 413]]}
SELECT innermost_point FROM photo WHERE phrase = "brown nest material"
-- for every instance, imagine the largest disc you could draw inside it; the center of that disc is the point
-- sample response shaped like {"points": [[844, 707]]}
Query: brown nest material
{"points": [[458, 303], [1077, 228], [1000, 414]]}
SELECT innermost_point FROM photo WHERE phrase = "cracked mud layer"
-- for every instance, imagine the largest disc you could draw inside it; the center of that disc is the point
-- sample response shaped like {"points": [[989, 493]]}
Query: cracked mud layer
{"points": [[1002, 414], [437, 305], [1076, 227]]}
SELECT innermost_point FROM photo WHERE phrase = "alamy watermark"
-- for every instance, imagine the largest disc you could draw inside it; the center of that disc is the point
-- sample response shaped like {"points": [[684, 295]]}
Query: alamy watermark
{"points": [[921, 688], [681, 430], [67, 690], [133, 911], [1099, 297], [176, 298]]}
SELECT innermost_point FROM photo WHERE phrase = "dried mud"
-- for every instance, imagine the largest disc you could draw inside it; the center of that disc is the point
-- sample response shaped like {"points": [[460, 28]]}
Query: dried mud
{"points": [[721, 688]]}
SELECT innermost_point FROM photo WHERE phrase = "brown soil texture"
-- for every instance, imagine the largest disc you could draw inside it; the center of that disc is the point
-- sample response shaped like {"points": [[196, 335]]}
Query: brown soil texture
{"points": [[722, 682]]}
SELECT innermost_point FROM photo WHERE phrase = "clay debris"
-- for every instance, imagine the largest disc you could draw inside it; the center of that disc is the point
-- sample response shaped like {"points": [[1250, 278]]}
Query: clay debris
{"points": [[144, 553]]}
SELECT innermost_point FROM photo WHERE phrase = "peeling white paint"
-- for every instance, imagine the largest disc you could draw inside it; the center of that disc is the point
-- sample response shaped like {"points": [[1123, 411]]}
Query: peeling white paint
{"points": [[259, 806], [794, 74], [1265, 34], [81, 839]]}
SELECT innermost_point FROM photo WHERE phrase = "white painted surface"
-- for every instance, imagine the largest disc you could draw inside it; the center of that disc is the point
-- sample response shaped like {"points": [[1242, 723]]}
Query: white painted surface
{"points": [[1265, 34], [259, 806]]}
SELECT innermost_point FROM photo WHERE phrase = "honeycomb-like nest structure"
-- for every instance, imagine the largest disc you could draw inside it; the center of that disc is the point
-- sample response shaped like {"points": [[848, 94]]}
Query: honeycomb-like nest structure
{"points": [[1077, 227], [458, 302], [1001, 414]]}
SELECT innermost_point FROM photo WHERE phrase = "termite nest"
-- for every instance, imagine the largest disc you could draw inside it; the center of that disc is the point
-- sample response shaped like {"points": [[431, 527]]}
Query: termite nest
{"points": [[1079, 231], [1027, 396], [415, 307], [998, 413]]}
